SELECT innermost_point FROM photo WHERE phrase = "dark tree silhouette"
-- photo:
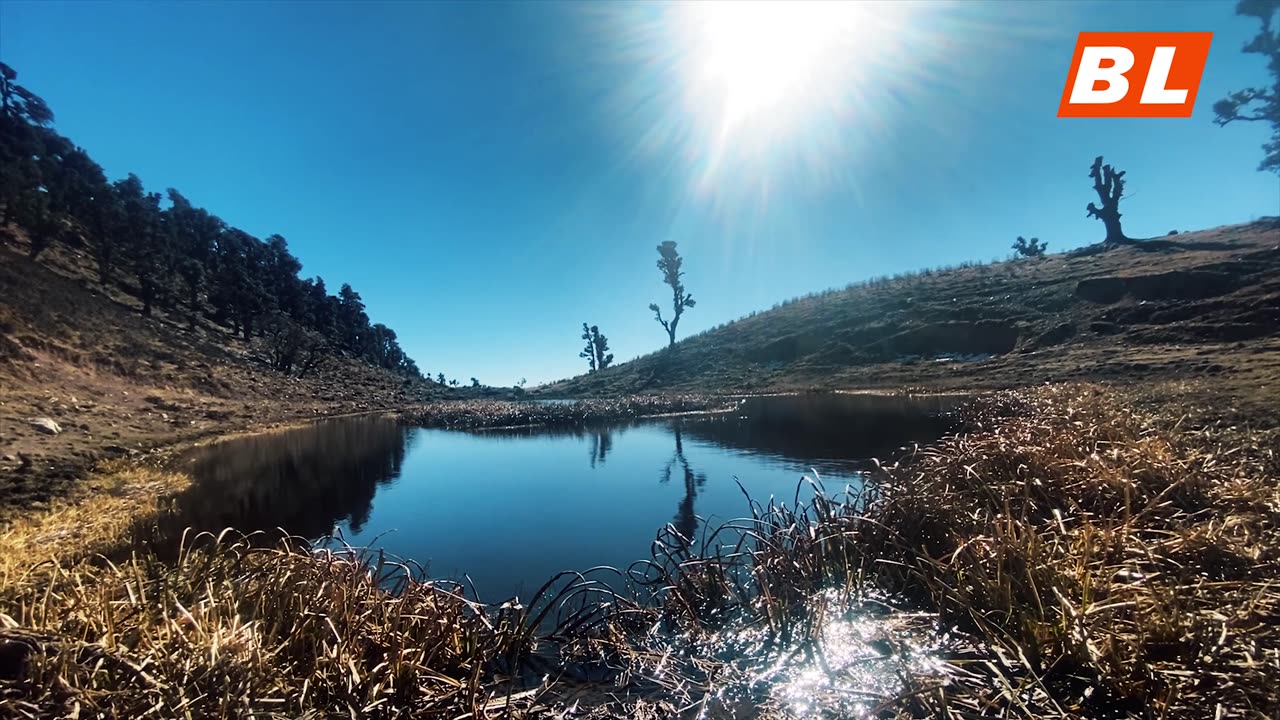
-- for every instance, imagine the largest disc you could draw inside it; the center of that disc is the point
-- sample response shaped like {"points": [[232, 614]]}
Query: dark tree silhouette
{"points": [[179, 258], [440, 379], [144, 244], [352, 320], [41, 172], [596, 350], [321, 307], [192, 232], [669, 262], [588, 351], [32, 211], [475, 383], [23, 117], [1109, 184], [281, 269], [1032, 248], [1258, 104], [291, 347], [20, 104]]}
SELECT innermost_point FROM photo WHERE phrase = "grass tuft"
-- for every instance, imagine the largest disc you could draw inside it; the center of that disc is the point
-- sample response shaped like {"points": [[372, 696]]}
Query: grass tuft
{"points": [[1063, 556]]}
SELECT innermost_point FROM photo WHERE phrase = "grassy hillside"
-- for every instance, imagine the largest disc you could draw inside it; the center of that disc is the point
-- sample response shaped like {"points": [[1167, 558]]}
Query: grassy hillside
{"points": [[80, 354], [1194, 306]]}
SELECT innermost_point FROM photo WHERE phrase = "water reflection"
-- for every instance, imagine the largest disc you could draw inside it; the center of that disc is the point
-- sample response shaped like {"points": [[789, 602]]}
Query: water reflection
{"points": [[510, 508], [686, 520], [305, 480], [601, 444], [832, 432]]}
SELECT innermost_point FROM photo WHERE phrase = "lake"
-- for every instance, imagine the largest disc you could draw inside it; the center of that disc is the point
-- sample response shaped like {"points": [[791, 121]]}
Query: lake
{"points": [[509, 508]]}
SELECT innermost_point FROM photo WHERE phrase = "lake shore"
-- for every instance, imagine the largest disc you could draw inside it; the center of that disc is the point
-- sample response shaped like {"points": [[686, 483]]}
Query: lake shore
{"points": [[116, 493], [1083, 543]]}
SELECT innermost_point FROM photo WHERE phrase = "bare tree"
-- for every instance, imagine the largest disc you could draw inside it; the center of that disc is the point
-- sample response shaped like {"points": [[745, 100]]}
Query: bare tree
{"points": [[1109, 184], [669, 263]]}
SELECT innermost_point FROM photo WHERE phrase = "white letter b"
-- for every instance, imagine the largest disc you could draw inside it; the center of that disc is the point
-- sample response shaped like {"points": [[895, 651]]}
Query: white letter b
{"points": [[1090, 71]]}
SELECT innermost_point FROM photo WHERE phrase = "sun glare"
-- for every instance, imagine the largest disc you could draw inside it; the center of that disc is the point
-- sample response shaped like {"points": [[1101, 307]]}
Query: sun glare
{"points": [[763, 67], [750, 97]]}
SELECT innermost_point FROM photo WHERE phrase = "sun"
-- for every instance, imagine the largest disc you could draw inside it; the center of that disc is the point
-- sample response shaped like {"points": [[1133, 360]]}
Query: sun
{"points": [[748, 97], [760, 64]]}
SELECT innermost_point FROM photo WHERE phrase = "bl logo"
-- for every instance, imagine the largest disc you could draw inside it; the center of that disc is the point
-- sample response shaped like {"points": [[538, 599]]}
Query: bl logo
{"points": [[1135, 74]]}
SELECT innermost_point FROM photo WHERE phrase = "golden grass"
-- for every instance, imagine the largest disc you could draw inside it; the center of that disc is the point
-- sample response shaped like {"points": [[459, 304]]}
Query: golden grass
{"points": [[99, 513], [1085, 560], [1072, 557], [230, 630]]}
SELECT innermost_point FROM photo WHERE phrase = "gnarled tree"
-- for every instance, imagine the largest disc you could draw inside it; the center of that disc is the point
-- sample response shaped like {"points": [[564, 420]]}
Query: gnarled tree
{"points": [[596, 350], [669, 262], [1258, 104], [1109, 184]]}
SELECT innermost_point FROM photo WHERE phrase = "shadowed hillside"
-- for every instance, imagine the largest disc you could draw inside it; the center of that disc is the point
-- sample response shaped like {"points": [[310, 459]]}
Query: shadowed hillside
{"points": [[1202, 305], [131, 319], [79, 355]]}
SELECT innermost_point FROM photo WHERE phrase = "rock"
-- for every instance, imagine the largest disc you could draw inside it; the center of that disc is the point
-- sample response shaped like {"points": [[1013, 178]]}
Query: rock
{"points": [[46, 425]]}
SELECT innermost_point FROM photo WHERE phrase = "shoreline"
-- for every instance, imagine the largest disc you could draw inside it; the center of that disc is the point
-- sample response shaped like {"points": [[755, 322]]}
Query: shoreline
{"points": [[1047, 530], [982, 533]]}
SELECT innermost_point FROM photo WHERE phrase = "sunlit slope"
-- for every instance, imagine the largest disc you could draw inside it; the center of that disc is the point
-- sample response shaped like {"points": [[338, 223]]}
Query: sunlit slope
{"points": [[1199, 304]]}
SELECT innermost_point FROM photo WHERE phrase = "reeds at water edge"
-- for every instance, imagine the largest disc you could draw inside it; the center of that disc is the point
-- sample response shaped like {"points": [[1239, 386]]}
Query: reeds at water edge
{"points": [[1063, 555]]}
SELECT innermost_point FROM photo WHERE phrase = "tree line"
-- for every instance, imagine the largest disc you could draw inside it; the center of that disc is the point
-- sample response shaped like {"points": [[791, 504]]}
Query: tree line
{"points": [[174, 255]]}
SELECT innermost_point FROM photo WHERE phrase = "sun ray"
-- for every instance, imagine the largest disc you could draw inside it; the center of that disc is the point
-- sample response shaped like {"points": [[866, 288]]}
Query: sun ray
{"points": [[748, 101]]}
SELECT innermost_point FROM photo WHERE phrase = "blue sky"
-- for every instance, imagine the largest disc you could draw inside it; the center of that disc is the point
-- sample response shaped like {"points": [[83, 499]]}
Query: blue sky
{"points": [[489, 176]]}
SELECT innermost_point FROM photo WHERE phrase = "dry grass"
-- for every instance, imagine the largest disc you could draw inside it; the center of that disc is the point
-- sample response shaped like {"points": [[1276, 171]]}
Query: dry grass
{"points": [[97, 514], [1065, 556], [230, 630], [1083, 560], [466, 414]]}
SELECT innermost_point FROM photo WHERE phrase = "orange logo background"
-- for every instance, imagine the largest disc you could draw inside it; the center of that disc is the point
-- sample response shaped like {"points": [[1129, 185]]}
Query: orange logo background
{"points": [[1192, 50]]}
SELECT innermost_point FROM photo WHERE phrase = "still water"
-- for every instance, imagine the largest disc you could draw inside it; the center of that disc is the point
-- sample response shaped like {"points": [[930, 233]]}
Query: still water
{"points": [[507, 509]]}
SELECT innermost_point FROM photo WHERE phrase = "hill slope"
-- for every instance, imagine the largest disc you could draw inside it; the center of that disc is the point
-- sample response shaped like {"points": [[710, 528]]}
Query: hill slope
{"points": [[1203, 306], [80, 354]]}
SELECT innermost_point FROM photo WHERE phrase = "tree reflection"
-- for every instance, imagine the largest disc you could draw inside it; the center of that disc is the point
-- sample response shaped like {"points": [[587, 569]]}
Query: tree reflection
{"points": [[601, 444], [304, 481], [686, 520]]}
